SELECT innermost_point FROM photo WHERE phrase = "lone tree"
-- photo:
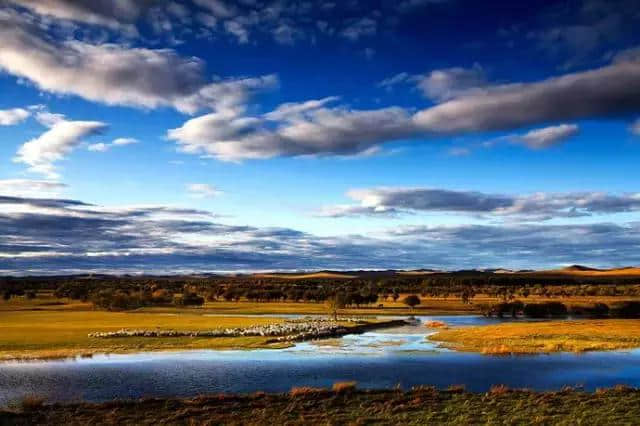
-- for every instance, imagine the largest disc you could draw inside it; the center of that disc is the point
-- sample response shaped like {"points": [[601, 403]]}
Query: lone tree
{"points": [[335, 303], [411, 300]]}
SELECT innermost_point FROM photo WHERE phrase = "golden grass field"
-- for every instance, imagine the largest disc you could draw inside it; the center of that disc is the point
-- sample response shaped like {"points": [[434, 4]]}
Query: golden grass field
{"points": [[31, 330], [49, 327], [544, 337]]}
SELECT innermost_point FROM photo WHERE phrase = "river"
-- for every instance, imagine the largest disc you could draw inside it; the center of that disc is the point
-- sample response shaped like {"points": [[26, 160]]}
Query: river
{"points": [[381, 359]]}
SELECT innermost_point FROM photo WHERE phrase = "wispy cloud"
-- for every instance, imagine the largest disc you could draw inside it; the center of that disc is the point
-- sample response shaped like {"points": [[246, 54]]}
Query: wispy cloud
{"points": [[315, 128], [41, 153], [527, 207], [11, 117], [30, 188], [55, 236], [202, 190], [103, 147]]}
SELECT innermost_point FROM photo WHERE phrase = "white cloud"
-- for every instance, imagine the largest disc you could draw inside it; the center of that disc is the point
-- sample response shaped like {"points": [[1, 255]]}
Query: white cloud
{"points": [[30, 188], [313, 128], [307, 128], [294, 109], [102, 147], [441, 84], [360, 28], [635, 127], [63, 136], [218, 8], [110, 73], [459, 152], [239, 30], [124, 141], [11, 117], [548, 136], [98, 147], [202, 190], [394, 80], [444, 84], [114, 14]]}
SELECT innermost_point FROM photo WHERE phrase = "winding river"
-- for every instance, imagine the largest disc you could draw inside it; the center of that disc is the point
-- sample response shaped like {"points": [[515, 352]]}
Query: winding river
{"points": [[381, 359]]}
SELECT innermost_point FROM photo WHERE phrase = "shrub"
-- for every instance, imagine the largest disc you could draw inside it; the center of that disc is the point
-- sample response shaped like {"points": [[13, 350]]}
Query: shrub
{"points": [[597, 310], [161, 297], [344, 387], [411, 300], [626, 309], [189, 299], [544, 310], [31, 403], [502, 309], [556, 309]]}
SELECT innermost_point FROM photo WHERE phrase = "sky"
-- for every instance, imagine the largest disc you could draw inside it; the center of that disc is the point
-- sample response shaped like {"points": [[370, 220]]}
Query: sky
{"points": [[256, 135]]}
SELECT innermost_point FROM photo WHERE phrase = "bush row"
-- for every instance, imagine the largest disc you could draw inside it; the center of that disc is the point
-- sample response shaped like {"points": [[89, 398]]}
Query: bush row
{"points": [[624, 309]]}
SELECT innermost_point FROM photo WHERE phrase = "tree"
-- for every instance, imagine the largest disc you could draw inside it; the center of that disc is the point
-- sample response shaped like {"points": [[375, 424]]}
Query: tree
{"points": [[335, 303], [411, 300]]}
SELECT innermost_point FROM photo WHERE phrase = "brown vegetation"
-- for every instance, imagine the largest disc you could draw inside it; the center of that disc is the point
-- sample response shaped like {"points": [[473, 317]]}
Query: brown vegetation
{"points": [[422, 405]]}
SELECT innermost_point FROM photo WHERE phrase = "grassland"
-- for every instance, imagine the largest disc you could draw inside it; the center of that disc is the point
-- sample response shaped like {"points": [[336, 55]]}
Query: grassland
{"points": [[544, 337], [343, 406], [47, 334]]}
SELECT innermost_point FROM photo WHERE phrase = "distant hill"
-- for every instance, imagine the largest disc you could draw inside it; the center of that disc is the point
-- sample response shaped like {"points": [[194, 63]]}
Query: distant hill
{"points": [[580, 270], [294, 276]]}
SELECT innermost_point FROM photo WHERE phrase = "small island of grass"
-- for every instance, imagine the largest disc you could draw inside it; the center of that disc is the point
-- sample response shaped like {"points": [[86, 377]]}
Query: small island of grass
{"points": [[543, 337]]}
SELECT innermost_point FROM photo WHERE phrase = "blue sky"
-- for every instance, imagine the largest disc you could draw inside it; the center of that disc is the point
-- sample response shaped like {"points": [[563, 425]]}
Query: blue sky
{"points": [[168, 136]]}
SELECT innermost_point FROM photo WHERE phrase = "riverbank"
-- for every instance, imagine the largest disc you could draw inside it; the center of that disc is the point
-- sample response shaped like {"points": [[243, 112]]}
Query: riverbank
{"points": [[345, 405], [543, 337]]}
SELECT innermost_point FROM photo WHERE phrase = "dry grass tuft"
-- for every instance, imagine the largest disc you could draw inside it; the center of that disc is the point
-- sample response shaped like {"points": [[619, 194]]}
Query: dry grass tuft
{"points": [[456, 389], [306, 391], [344, 387], [499, 390], [436, 324]]}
